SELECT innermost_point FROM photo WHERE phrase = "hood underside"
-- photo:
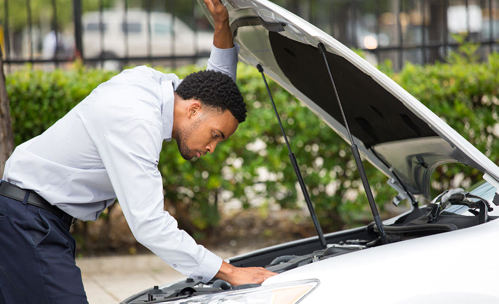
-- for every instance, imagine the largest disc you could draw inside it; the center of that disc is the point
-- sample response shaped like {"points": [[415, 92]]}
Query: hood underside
{"points": [[393, 130]]}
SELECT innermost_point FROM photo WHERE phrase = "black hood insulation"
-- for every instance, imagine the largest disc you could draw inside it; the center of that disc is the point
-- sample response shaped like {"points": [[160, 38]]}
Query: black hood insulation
{"points": [[375, 116]]}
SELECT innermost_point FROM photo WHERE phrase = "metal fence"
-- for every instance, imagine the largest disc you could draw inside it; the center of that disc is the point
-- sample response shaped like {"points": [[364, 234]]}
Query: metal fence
{"points": [[113, 33], [418, 31], [102, 33]]}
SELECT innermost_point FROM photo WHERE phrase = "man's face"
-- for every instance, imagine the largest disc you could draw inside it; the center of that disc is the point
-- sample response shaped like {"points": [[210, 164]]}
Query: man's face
{"points": [[204, 131]]}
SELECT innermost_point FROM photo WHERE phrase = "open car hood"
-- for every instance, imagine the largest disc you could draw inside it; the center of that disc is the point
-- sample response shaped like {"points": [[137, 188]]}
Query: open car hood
{"points": [[393, 130]]}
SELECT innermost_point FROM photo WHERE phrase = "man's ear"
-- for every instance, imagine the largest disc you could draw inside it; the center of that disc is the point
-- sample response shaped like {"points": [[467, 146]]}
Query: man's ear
{"points": [[194, 109]]}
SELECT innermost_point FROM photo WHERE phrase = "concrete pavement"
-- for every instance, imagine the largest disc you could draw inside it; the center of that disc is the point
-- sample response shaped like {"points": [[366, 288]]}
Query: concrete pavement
{"points": [[109, 280]]}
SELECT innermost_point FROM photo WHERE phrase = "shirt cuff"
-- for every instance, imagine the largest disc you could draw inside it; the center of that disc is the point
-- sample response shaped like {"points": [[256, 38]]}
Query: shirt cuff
{"points": [[210, 265], [224, 56], [224, 60]]}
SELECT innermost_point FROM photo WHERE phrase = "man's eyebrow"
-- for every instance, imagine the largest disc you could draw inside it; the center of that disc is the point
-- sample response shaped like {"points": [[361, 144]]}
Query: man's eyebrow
{"points": [[222, 133]]}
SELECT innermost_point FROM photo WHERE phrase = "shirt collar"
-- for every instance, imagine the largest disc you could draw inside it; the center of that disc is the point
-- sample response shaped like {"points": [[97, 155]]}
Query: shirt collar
{"points": [[167, 104]]}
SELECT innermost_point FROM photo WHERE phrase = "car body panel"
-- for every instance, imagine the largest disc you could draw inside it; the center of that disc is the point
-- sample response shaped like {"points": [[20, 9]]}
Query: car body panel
{"points": [[442, 268], [452, 267], [372, 101]]}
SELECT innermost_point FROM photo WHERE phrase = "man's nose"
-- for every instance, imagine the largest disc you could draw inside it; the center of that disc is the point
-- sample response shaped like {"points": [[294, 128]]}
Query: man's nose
{"points": [[211, 147]]}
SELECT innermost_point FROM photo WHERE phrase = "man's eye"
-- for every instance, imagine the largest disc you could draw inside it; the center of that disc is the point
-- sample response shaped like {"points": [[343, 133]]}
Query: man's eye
{"points": [[215, 135]]}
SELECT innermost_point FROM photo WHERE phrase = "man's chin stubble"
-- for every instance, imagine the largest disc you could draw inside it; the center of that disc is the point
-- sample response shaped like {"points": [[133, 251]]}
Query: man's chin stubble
{"points": [[182, 150]]}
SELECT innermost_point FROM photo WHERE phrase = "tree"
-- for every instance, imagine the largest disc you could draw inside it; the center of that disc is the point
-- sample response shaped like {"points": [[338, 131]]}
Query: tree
{"points": [[6, 135]]}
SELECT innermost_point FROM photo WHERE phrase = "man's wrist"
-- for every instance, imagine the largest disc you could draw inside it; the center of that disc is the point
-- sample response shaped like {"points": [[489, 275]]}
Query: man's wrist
{"points": [[222, 24], [225, 271], [222, 37]]}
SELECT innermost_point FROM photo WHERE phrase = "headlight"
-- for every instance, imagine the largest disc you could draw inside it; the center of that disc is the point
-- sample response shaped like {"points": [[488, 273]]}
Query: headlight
{"points": [[281, 293]]}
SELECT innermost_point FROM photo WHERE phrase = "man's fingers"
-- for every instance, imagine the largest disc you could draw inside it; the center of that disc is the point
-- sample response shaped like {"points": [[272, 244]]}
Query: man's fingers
{"points": [[264, 274], [209, 5], [213, 5], [253, 275], [216, 8], [243, 275]]}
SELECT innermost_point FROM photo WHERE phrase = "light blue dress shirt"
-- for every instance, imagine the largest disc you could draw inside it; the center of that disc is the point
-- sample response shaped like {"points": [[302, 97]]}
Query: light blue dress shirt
{"points": [[108, 147]]}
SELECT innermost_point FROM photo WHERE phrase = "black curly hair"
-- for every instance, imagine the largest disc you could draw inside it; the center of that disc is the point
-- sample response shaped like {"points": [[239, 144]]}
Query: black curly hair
{"points": [[214, 89]]}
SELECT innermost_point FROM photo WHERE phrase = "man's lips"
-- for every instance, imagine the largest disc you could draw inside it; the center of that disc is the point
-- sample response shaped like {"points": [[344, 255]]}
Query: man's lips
{"points": [[198, 154]]}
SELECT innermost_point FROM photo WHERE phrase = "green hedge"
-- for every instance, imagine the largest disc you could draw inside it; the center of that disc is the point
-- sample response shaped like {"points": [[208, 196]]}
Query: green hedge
{"points": [[38, 98], [463, 92]]}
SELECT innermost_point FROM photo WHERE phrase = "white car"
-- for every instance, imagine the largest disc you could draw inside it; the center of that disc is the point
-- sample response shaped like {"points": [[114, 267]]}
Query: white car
{"points": [[166, 38], [444, 252]]}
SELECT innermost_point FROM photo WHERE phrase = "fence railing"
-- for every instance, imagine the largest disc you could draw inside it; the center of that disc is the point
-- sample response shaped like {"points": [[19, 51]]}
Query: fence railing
{"points": [[114, 33], [103, 32]]}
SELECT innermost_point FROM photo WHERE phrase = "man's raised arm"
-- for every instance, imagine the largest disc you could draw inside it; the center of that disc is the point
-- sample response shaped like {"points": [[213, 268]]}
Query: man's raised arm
{"points": [[223, 57]]}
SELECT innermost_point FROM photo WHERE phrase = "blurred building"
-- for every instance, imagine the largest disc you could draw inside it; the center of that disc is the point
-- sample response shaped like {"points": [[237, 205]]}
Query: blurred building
{"points": [[418, 31], [174, 32]]}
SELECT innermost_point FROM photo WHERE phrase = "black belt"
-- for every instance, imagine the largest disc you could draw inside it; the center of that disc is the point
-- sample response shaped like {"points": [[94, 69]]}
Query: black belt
{"points": [[14, 192]]}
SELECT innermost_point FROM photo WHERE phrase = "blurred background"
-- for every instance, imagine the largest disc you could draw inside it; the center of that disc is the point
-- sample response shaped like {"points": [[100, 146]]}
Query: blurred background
{"points": [[114, 33]]}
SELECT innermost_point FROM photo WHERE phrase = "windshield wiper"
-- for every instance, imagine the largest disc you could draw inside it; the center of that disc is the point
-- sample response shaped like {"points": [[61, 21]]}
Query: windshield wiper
{"points": [[295, 166], [356, 154]]}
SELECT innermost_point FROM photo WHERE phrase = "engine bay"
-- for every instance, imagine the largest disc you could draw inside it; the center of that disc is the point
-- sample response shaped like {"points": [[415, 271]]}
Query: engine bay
{"points": [[191, 287]]}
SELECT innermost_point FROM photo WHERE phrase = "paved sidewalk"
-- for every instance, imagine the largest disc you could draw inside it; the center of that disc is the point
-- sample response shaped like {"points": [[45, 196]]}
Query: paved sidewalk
{"points": [[109, 280], [113, 279]]}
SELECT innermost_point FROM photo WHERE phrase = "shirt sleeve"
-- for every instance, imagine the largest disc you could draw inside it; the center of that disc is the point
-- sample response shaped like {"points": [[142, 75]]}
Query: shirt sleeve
{"points": [[224, 60], [126, 129]]}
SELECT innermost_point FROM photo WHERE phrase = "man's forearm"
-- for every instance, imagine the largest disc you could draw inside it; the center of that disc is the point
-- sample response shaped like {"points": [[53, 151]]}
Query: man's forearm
{"points": [[223, 57], [222, 38]]}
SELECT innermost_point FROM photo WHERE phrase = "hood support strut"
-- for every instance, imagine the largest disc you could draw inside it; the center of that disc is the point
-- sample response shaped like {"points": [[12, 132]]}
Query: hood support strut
{"points": [[295, 166], [356, 154]]}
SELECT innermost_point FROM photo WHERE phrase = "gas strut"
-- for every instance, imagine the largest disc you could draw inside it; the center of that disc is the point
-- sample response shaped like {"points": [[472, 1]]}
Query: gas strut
{"points": [[295, 166], [356, 155]]}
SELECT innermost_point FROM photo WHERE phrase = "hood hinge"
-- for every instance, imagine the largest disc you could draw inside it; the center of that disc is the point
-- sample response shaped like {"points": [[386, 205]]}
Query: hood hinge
{"points": [[402, 194]]}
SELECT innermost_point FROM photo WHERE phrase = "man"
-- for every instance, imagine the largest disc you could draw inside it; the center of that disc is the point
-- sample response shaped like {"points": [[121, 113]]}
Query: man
{"points": [[108, 147]]}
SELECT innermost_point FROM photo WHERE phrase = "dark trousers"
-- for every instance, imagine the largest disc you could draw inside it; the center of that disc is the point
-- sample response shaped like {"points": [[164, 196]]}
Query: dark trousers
{"points": [[37, 257]]}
